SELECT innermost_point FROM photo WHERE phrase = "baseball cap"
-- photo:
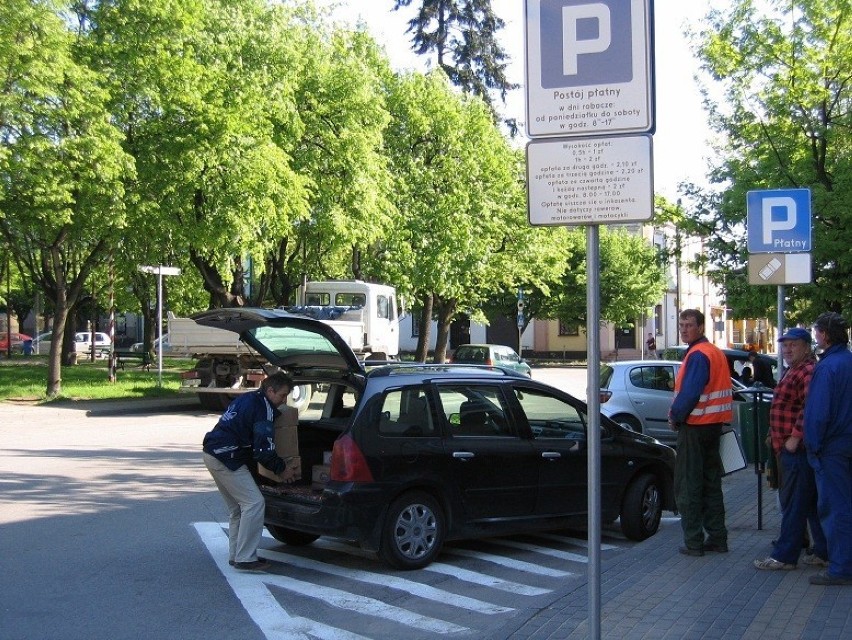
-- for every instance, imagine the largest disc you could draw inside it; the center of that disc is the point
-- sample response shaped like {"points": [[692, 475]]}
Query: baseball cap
{"points": [[796, 334]]}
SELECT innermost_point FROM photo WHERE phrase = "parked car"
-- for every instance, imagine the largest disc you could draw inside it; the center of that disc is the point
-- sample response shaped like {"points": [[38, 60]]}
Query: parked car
{"points": [[737, 359], [638, 394], [17, 341], [137, 347], [494, 355], [421, 454], [83, 343]]}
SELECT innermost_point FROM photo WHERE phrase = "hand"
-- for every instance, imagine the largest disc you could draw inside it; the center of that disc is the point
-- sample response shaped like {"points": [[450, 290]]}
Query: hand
{"points": [[672, 425], [287, 476], [791, 444]]}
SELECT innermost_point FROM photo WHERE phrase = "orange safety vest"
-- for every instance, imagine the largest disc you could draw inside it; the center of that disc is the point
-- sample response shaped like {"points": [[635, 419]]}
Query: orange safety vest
{"points": [[714, 404]]}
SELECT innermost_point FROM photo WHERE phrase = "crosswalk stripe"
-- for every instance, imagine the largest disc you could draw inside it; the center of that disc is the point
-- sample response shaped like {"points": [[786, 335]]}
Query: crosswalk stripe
{"points": [[547, 551], [579, 542], [401, 584], [518, 565]]}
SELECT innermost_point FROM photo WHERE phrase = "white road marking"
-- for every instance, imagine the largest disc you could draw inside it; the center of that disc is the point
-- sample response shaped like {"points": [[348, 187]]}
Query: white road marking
{"points": [[267, 612], [547, 551], [401, 584], [579, 542], [517, 565], [459, 573], [484, 580]]}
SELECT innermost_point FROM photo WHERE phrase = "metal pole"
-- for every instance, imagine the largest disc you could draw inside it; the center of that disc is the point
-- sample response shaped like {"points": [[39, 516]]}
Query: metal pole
{"points": [[160, 327], [593, 402], [758, 463], [781, 311]]}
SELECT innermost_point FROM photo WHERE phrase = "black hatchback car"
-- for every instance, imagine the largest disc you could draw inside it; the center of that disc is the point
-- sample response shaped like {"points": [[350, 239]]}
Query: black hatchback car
{"points": [[420, 454]]}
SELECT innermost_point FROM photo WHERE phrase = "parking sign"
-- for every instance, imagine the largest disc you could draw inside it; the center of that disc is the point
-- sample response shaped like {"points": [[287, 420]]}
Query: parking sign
{"points": [[779, 220], [589, 67]]}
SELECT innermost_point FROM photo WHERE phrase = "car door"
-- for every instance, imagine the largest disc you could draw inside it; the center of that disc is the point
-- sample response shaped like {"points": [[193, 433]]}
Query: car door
{"points": [[493, 470], [559, 441], [650, 388]]}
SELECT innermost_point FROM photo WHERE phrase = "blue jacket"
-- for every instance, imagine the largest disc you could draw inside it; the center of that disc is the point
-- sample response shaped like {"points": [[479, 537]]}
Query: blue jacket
{"points": [[828, 407], [245, 434], [695, 378]]}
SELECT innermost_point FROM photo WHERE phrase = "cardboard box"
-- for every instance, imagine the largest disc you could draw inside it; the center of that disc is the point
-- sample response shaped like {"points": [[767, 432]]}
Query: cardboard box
{"points": [[286, 441], [319, 475]]}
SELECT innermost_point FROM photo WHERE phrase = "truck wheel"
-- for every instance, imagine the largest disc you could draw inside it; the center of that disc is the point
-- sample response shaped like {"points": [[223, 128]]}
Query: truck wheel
{"points": [[291, 537], [413, 532]]}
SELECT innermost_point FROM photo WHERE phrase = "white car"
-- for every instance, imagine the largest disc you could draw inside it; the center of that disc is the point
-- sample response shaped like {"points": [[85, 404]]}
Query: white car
{"points": [[83, 342]]}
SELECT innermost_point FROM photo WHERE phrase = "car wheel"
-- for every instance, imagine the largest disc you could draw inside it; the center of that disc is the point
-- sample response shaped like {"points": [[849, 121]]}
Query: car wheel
{"points": [[291, 537], [628, 422], [414, 531], [642, 508]]}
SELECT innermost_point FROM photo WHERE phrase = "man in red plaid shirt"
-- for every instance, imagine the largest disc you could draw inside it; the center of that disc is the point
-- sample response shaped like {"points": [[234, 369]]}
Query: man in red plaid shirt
{"points": [[796, 483]]}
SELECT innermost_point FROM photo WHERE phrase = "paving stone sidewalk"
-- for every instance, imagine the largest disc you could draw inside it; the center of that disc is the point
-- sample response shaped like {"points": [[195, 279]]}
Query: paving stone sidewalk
{"points": [[655, 593]]}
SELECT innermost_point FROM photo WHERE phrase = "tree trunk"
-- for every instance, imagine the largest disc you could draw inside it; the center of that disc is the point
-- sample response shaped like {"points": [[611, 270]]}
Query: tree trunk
{"points": [[446, 313], [425, 325]]}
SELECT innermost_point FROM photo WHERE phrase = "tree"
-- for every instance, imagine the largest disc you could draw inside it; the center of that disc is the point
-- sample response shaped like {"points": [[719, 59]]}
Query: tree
{"points": [[459, 193], [62, 169], [463, 36], [784, 115]]}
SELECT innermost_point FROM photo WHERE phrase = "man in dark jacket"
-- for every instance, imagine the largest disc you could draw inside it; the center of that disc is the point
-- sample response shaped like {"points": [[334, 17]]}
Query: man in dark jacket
{"points": [[243, 437], [828, 441]]}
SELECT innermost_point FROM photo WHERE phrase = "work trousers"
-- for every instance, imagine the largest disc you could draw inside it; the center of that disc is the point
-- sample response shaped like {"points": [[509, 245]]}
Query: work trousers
{"points": [[834, 504], [245, 507], [698, 485], [798, 497]]}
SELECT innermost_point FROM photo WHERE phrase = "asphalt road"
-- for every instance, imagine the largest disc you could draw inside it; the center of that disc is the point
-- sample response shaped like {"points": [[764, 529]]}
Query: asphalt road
{"points": [[110, 527]]}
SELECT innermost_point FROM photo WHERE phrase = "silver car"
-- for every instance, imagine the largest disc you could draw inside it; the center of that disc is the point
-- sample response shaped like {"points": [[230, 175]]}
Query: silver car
{"points": [[638, 394]]}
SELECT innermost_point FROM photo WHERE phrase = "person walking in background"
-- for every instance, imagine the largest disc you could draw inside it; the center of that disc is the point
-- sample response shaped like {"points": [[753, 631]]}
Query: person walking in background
{"points": [[796, 483], [701, 406], [651, 343], [828, 441], [243, 437]]}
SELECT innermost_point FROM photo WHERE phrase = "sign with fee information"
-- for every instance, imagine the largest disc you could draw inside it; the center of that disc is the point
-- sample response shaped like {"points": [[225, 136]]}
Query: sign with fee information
{"points": [[779, 220], [588, 67]]}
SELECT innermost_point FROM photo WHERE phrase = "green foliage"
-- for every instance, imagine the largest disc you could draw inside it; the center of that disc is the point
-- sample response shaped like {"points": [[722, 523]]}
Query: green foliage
{"points": [[463, 36], [784, 115]]}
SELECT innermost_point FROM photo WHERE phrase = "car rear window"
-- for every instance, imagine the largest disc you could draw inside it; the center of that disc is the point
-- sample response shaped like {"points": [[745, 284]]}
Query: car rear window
{"points": [[470, 354], [606, 376]]}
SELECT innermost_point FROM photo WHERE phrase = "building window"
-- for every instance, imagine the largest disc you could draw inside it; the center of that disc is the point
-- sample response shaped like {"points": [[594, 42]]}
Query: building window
{"points": [[566, 329]]}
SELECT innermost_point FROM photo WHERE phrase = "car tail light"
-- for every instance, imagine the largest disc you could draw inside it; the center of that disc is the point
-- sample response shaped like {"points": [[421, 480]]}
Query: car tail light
{"points": [[348, 463], [604, 395]]}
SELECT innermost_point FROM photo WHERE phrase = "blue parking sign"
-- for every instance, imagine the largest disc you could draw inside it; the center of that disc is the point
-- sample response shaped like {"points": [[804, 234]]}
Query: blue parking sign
{"points": [[779, 220]]}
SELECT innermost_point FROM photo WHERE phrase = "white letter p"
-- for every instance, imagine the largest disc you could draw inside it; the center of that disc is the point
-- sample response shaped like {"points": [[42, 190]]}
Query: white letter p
{"points": [[784, 224], [572, 46]]}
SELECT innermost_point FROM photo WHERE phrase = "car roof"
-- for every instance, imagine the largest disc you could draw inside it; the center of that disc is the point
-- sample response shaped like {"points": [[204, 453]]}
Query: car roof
{"points": [[444, 371]]}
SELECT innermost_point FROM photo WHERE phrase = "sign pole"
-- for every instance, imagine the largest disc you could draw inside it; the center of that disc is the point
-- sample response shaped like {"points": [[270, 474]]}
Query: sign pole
{"points": [[593, 402]]}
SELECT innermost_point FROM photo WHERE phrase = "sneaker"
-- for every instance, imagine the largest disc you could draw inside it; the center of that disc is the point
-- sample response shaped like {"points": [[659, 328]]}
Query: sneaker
{"points": [[814, 560], [825, 579], [257, 566], [691, 552], [771, 564]]}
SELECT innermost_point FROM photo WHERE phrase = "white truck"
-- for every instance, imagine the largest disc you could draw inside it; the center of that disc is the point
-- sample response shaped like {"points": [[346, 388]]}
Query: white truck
{"points": [[364, 314]]}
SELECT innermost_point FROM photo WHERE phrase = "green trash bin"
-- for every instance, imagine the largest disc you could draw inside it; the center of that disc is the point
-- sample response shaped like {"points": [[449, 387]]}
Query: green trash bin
{"points": [[745, 415]]}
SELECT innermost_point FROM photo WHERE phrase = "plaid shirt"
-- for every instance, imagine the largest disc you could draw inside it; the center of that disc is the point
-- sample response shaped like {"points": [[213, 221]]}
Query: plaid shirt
{"points": [[788, 403]]}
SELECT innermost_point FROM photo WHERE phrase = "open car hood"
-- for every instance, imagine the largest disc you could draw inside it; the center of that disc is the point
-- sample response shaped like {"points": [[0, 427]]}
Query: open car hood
{"points": [[292, 342]]}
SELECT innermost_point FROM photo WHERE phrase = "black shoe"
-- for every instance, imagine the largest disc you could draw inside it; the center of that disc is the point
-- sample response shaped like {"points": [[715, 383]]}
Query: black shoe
{"points": [[258, 566], [715, 548], [691, 552], [825, 579]]}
